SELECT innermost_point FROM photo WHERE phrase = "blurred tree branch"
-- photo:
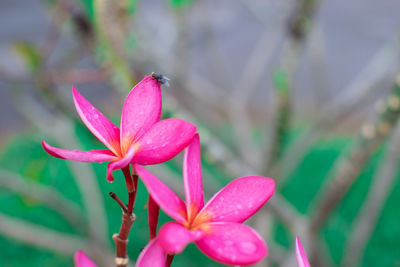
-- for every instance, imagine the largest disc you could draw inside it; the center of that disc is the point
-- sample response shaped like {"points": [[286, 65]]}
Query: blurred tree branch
{"points": [[45, 195], [347, 168], [380, 188]]}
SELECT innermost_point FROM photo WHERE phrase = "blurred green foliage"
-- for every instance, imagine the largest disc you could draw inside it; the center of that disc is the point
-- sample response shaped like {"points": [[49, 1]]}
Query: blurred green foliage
{"points": [[24, 155]]}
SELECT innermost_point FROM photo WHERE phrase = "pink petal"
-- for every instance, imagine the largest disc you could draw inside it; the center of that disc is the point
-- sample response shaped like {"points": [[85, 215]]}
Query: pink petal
{"points": [[301, 256], [119, 164], [192, 178], [153, 212], [98, 124], [233, 244], [82, 260], [152, 256], [239, 200], [169, 202], [142, 108], [173, 237], [164, 141], [76, 155]]}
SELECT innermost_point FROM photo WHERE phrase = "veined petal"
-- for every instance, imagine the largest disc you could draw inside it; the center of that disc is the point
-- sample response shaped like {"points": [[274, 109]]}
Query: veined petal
{"points": [[239, 200], [76, 155], [82, 260], [192, 178], [119, 164], [164, 141], [142, 108], [173, 237], [152, 256], [153, 212], [168, 201], [97, 123], [301, 256], [233, 244]]}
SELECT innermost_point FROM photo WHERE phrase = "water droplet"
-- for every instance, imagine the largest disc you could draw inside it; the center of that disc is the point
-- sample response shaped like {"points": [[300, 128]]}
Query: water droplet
{"points": [[228, 243], [247, 247], [95, 116], [239, 207]]}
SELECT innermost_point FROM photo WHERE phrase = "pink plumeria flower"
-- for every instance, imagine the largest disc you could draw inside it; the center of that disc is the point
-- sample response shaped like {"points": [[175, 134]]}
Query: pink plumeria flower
{"points": [[215, 227], [301, 256], [142, 139], [82, 260], [152, 256]]}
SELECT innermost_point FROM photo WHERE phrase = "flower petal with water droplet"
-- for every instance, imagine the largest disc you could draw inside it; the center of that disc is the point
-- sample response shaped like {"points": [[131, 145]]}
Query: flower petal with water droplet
{"points": [[240, 199], [233, 244], [173, 237], [164, 141]]}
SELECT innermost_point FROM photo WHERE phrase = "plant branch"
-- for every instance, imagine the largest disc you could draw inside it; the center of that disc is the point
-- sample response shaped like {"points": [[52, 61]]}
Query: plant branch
{"points": [[44, 194], [347, 169], [380, 189]]}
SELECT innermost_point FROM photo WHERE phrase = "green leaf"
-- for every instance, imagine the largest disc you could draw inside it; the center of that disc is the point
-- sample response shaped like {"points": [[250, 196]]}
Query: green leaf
{"points": [[281, 82], [30, 54], [177, 4]]}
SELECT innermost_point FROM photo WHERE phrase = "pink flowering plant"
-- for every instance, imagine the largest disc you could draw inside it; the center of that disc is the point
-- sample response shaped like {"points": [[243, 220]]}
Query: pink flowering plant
{"points": [[215, 227], [143, 139]]}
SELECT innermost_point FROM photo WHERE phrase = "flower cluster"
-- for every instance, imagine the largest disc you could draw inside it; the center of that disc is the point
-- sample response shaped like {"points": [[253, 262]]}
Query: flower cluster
{"points": [[215, 227]]}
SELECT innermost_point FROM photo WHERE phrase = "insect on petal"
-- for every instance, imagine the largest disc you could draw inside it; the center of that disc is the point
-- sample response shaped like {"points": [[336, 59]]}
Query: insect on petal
{"points": [[142, 108]]}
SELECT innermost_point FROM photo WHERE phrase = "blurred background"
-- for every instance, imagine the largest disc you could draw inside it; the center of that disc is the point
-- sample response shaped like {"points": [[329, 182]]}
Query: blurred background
{"points": [[304, 91]]}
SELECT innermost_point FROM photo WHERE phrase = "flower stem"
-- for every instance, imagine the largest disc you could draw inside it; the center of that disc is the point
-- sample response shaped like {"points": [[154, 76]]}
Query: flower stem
{"points": [[119, 201], [170, 258], [128, 218]]}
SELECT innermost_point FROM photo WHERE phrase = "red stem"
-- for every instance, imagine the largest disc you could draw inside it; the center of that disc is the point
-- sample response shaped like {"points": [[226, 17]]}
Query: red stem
{"points": [[170, 258], [121, 239], [153, 213]]}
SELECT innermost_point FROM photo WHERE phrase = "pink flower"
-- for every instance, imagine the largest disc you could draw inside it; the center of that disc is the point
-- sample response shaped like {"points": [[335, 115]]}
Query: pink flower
{"points": [[301, 256], [215, 227], [152, 256], [82, 260], [142, 139]]}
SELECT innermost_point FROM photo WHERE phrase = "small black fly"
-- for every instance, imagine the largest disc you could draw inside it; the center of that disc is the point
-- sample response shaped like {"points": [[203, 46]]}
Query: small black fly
{"points": [[160, 78]]}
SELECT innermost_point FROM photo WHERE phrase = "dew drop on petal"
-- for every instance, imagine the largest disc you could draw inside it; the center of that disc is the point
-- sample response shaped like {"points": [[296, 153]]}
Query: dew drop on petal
{"points": [[228, 243], [247, 247], [95, 116]]}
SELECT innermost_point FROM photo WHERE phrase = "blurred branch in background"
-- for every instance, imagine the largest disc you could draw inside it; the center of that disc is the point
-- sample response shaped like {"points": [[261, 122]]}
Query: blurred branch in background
{"points": [[49, 239], [46, 195], [366, 85], [298, 29], [380, 190], [60, 129], [347, 169]]}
